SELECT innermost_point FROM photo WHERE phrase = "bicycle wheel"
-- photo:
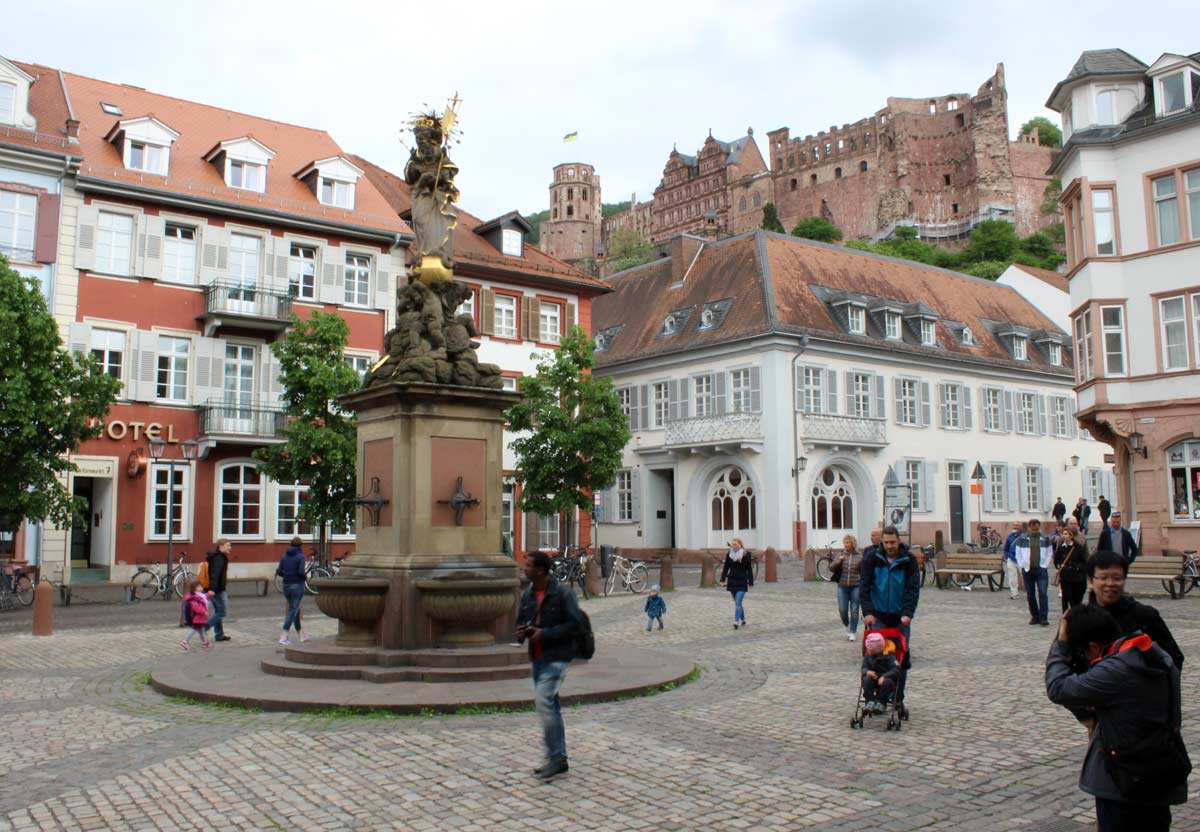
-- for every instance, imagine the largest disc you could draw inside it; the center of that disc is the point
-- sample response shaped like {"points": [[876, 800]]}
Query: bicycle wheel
{"points": [[279, 584], [825, 568], [962, 580], [180, 581], [1191, 576], [316, 572], [144, 585], [580, 577], [24, 590], [610, 584], [638, 575]]}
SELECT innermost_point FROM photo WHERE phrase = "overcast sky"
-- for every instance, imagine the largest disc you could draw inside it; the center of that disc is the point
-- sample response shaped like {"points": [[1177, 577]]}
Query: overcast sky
{"points": [[633, 78]]}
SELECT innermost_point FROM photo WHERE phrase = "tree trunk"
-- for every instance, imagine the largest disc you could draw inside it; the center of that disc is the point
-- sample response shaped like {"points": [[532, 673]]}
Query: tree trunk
{"points": [[322, 552]]}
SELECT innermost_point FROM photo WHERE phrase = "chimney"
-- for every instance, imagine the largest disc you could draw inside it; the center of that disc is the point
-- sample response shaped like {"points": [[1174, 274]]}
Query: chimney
{"points": [[683, 250], [72, 128]]}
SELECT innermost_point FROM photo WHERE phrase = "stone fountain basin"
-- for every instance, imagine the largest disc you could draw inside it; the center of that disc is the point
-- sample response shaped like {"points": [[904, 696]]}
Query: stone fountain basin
{"points": [[351, 599]]}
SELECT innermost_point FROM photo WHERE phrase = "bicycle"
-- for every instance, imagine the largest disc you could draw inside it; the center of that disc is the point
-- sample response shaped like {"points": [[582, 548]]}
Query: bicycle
{"points": [[16, 588], [311, 570], [632, 574], [927, 564], [1190, 575], [825, 561], [150, 580], [570, 568], [987, 539]]}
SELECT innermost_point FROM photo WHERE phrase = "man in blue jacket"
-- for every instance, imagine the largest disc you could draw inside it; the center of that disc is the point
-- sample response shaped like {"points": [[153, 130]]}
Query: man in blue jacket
{"points": [[889, 589], [1116, 539]]}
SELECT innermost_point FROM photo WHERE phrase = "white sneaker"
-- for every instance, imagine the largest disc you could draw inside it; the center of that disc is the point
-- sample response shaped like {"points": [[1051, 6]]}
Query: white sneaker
{"points": [[850, 636], [966, 589], [284, 641], [304, 638]]}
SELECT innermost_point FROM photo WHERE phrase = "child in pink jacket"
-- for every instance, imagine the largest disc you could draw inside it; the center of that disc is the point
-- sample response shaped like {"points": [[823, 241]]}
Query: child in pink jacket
{"points": [[195, 612]]}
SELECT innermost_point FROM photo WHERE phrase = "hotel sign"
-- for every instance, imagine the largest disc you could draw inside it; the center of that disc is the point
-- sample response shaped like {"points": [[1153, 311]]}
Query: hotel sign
{"points": [[118, 429]]}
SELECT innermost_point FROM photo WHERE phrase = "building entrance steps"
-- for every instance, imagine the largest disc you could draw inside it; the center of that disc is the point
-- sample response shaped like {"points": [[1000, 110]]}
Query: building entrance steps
{"points": [[236, 676]]}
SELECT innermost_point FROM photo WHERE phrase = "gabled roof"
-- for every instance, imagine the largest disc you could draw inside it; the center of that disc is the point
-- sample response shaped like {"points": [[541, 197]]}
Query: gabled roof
{"points": [[48, 103], [1058, 281], [472, 250], [240, 140], [1098, 62], [125, 123], [783, 284], [320, 163], [511, 218]]}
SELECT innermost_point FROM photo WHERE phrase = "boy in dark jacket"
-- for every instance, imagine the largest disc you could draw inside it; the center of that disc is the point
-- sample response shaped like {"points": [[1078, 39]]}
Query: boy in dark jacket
{"points": [[549, 619], [655, 607], [889, 590], [880, 672], [1132, 687]]}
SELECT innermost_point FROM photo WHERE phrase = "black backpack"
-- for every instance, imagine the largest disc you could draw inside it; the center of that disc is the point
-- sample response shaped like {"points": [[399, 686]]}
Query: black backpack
{"points": [[585, 640]]}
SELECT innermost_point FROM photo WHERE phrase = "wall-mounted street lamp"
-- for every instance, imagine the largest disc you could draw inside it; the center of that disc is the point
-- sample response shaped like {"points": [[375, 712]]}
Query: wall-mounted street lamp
{"points": [[158, 447], [1137, 444], [1074, 463]]}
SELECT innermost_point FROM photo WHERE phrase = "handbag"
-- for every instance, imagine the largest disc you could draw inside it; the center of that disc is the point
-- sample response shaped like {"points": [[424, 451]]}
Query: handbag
{"points": [[1154, 764]]}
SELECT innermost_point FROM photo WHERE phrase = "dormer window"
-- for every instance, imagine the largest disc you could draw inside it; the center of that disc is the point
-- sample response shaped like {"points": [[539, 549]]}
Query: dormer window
{"points": [[144, 144], [242, 163], [339, 194], [891, 322], [510, 242], [8, 103], [1020, 347], [146, 157], [1172, 93], [707, 318], [331, 180], [246, 175], [968, 337], [856, 318], [669, 325], [1054, 354], [928, 333]]}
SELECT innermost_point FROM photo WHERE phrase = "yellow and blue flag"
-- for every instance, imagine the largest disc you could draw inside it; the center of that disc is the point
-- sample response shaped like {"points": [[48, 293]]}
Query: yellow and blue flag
{"points": [[572, 136]]}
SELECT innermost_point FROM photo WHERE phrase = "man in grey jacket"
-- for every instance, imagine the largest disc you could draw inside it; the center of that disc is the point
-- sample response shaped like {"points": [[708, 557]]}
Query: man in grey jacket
{"points": [[1132, 687]]}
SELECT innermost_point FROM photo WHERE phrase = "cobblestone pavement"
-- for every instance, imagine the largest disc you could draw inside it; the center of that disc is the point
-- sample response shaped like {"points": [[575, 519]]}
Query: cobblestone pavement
{"points": [[761, 741]]}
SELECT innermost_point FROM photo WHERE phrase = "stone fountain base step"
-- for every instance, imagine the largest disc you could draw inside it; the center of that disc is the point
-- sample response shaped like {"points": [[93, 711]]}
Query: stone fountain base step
{"points": [[375, 673], [236, 676], [326, 653]]}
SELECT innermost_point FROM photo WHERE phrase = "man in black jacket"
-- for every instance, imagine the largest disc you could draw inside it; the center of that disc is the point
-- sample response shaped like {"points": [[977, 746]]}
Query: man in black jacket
{"points": [[1132, 687], [1104, 507], [1106, 573], [1116, 539], [1059, 512], [549, 619], [218, 571]]}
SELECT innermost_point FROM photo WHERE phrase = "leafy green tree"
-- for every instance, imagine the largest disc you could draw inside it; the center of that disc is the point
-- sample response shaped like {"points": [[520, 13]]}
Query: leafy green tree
{"points": [[1050, 196], [992, 240], [987, 269], [1048, 132], [51, 401], [1057, 233], [320, 446], [628, 248], [904, 232], [570, 432], [536, 221], [1038, 250], [770, 220], [817, 228]]}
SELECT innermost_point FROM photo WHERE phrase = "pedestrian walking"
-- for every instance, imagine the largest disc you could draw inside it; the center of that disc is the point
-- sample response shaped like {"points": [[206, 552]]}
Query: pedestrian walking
{"points": [[1059, 512], [847, 571], [218, 572], [1116, 539], [291, 569], [656, 606], [1136, 765], [737, 575], [1070, 561], [1011, 572], [876, 537], [195, 615], [1104, 507], [1106, 572], [1034, 556], [549, 619], [1085, 513], [890, 589]]}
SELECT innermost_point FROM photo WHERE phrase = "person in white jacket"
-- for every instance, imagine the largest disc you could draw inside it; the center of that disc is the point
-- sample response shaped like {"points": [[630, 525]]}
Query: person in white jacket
{"points": [[1034, 569]]}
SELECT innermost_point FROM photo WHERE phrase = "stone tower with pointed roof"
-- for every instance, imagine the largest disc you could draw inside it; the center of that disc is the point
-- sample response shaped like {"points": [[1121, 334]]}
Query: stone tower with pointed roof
{"points": [[572, 231]]}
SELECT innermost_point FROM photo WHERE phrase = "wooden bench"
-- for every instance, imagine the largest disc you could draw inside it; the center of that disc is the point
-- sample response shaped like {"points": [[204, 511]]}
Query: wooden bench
{"points": [[982, 566], [261, 585], [1165, 568]]}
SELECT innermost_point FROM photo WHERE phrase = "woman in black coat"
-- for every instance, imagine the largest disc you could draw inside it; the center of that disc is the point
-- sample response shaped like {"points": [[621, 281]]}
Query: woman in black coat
{"points": [[1070, 557], [737, 575]]}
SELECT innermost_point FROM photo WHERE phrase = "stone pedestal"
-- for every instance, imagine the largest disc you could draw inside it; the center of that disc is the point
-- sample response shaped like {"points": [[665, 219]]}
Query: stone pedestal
{"points": [[666, 574], [771, 567], [708, 578], [417, 440]]}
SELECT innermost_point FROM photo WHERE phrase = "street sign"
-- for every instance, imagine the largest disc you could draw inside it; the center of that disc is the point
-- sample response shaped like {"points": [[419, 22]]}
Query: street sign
{"points": [[976, 488], [977, 474], [897, 503]]}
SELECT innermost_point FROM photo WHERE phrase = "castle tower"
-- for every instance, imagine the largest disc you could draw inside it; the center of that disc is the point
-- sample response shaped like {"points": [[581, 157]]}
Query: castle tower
{"points": [[572, 231]]}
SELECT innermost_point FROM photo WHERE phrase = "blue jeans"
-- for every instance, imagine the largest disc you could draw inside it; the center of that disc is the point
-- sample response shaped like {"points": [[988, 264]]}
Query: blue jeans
{"points": [[220, 601], [294, 593], [547, 678], [848, 606], [739, 615], [651, 620], [877, 690], [1039, 602]]}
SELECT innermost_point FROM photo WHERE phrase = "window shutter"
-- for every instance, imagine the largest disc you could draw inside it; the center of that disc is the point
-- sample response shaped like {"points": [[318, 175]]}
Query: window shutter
{"points": [[926, 408], [144, 366], [635, 393], [1110, 487], [755, 390], [332, 289], [719, 391], [988, 503], [45, 247], [214, 254], [968, 416], [283, 250], [528, 326], [1044, 487], [85, 237], [943, 413], [79, 338], [1072, 423], [217, 389], [831, 392], [531, 532], [1022, 496], [927, 483], [1008, 411], [1010, 489], [848, 378], [643, 400], [487, 312], [383, 293], [570, 320], [150, 237], [274, 384], [673, 400], [798, 386], [897, 399], [635, 490], [1041, 413], [879, 406], [685, 405]]}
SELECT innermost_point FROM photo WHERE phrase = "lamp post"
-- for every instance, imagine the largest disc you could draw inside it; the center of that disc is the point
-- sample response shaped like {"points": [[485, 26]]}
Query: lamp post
{"points": [[157, 448], [978, 480]]}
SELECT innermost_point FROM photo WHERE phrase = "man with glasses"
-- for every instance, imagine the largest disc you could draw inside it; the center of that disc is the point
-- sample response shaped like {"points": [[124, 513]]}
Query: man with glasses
{"points": [[1106, 573]]}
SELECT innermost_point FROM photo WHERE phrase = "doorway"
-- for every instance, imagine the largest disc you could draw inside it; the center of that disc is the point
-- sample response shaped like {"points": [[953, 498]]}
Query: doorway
{"points": [[81, 526], [660, 496], [733, 509], [957, 502]]}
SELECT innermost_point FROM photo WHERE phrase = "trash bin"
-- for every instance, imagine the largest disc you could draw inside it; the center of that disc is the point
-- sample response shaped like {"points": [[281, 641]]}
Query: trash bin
{"points": [[606, 559]]}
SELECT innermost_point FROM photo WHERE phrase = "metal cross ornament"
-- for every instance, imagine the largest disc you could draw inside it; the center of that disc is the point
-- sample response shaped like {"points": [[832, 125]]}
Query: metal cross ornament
{"points": [[459, 501], [372, 501]]}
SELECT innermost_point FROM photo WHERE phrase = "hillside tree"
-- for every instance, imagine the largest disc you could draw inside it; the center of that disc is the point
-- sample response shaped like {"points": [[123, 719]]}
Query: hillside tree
{"points": [[817, 228], [770, 220]]}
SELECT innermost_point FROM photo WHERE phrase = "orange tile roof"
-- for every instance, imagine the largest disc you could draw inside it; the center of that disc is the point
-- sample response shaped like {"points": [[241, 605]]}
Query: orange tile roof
{"points": [[471, 248], [201, 127], [1058, 281], [48, 105]]}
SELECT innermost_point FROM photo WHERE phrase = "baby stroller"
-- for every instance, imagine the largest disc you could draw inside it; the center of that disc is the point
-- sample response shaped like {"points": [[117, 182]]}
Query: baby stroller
{"points": [[895, 710]]}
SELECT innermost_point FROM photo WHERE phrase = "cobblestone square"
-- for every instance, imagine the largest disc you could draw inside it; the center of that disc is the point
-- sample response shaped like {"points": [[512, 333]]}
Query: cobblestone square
{"points": [[760, 741]]}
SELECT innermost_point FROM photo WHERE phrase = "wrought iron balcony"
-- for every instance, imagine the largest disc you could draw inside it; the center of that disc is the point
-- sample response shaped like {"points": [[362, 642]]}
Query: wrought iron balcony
{"points": [[234, 421], [245, 306], [718, 432], [849, 431]]}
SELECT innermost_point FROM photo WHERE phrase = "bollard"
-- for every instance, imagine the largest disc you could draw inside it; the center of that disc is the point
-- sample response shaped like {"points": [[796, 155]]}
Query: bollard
{"points": [[666, 573], [939, 541], [43, 610], [592, 577], [772, 564], [708, 578], [810, 565]]}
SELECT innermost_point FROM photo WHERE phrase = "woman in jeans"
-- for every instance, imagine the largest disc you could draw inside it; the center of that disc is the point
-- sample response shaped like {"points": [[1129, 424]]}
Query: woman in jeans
{"points": [[737, 575], [846, 568], [291, 569], [1070, 557]]}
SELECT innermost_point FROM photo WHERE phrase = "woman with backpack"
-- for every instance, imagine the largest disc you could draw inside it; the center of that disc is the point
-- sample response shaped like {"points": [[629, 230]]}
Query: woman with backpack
{"points": [[737, 575]]}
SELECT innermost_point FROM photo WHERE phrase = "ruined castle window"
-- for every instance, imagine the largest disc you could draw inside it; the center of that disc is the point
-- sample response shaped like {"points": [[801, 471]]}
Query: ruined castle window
{"points": [[960, 120], [570, 210], [570, 193], [556, 212], [793, 184], [866, 140], [828, 149], [954, 208], [862, 166], [813, 179], [791, 160], [945, 179], [841, 144], [571, 173], [584, 193], [932, 107], [910, 207], [837, 173], [952, 104], [816, 153], [742, 204]]}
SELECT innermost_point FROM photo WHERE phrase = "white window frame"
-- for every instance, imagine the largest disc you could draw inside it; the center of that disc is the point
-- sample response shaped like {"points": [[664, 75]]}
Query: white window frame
{"points": [[510, 242], [1180, 326], [169, 359], [928, 333], [812, 390], [1060, 411], [1020, 348], [741, 399], [154, 156], [702, 395], [1026, 398], [1084, 369], [18, 238], [1191, 194], [505, 316], [660, 405], [302, 271], [1103, 224], [467, 307], [510, 383], [915, 481], [105, 341], [998, 483], [183, 499], [952, 406], [862, 394], [894, 330], [548, 532], [908, 402], [1031, 488], [294, 492], [356, 284], [625, 398], [993, 409], [237, 169], [111, 256], [1054, 354], [550, 317], [359, 364], [1196, 325], [179, 253], [340, 193], [219, 504], [1160, 84], [624, 497], [856, 320], [9, 114], [1166, 210], [1118, 330]]}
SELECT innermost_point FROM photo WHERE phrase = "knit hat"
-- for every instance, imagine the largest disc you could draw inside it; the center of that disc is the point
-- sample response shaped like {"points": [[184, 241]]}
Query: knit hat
{"points": [[654, 588], [874, 642]]}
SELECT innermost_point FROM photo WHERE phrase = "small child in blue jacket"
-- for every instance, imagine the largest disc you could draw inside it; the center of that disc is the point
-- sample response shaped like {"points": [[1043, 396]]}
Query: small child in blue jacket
{"points": [[655, 607]]}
